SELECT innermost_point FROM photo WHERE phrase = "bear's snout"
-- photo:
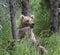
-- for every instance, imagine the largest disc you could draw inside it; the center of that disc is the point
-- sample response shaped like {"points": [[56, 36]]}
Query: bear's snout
{"points": [[32, 25]]}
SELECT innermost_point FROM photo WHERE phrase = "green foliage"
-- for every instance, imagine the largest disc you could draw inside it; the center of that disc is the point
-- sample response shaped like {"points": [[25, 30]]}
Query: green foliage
{"points": [[24, 48], [39, 8], [3, 52], [45, 3], [52, 44], [42, 16], [5, 32]]}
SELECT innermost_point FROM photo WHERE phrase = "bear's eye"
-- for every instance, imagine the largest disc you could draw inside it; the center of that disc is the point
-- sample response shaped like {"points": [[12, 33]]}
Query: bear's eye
{"points": [[27, 21]]}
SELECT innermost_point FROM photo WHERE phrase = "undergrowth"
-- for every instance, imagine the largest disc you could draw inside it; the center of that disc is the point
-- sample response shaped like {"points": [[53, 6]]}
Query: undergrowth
{"points": [[25, 47]]}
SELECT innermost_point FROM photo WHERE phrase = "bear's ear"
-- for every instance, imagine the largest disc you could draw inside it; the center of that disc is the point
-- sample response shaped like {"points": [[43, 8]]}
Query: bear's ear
{"points": [[22, 16], [32, 16]]}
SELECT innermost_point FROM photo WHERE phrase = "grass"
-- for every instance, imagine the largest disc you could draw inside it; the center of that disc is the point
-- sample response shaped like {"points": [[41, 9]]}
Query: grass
{"points": [[24, 47], [52, 44]]}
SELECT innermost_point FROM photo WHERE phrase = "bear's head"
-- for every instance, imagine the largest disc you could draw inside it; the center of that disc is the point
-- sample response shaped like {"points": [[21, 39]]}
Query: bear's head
{"points": [[27, 21]]}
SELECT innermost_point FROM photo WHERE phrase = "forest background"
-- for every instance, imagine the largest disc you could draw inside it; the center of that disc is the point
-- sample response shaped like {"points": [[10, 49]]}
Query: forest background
{"points": [[41, 10]]}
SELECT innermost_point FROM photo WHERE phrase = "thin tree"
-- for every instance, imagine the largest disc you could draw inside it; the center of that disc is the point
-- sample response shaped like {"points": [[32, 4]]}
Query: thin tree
{"points": [[54, 15], [12, 16], [59, 3], [25, 7]]}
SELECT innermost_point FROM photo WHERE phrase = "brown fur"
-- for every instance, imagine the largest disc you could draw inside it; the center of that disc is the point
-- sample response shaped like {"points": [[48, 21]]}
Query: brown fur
{"points": [[24, 29]]}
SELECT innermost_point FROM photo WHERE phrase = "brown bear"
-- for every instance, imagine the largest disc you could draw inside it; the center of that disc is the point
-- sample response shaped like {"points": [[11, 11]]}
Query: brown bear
{"points": [[26, 28]]}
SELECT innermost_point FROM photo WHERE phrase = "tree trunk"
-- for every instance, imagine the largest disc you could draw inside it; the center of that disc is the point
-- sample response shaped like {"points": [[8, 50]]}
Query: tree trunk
{"points": [[12, 16], [25, 7], [59, 4], [54, 15]]}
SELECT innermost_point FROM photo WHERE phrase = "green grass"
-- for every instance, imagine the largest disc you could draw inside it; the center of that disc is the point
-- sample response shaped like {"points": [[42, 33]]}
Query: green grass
{"points": [[25, 47], [52, 43]]}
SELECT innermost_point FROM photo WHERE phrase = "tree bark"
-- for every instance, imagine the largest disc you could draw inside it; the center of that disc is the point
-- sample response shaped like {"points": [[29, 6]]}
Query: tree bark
{"points": [[54, 15], [25, 7], [12, 16], [59, 4]]}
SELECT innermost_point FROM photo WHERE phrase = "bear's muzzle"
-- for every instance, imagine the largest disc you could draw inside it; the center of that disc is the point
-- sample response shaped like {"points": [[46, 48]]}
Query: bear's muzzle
{"points": [[32, 25]]}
